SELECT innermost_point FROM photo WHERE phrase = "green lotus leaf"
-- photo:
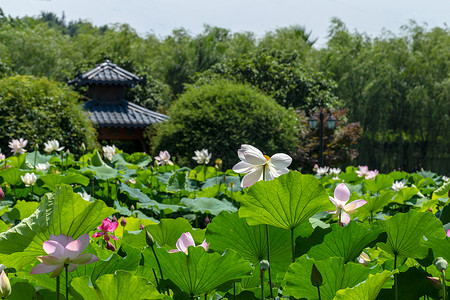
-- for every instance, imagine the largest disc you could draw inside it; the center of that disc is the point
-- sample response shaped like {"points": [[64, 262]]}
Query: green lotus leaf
{"points": [[405, 194], [367, 290], [59, 212], [178, 182], [380, 182], [12, 176], [405, 231], [440, 247], [16, 161], [96, 159], [202, 172], [375, 203], [208, 205], [228, 231], [22, 210], [199, 272], [226, 180], [346, 242], [284, 202], [52, 180], [121, 286], [35, 157], [103, 172], [336, 276]]}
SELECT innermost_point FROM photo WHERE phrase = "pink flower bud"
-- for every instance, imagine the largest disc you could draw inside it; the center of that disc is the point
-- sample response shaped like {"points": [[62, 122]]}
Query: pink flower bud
{"points": [[207, 221], [2, 194], [123, 222], [141, 227], [110, 246], [114, 219]]}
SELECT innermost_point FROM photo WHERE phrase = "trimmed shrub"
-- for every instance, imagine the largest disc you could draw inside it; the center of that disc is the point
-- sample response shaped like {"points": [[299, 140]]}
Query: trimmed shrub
{"points": [[39, 110], [222, 115]]}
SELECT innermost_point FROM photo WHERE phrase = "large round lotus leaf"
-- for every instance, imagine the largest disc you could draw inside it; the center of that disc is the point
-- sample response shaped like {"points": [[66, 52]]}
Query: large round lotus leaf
{"points": [[440, 247], [121, 286], [284, 202], [405, 231], [199, 272], [346, 242], [208, 205], [61, 212], [228, 231], [335, 274], [367, 290]]}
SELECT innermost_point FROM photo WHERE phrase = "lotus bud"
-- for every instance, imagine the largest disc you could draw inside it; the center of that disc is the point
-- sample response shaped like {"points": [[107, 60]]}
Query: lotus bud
{"points": [[440, 264], [207, 220], [123, 222], [5, 285], [316, 277], [83, 147], [264, 265], [68, 151], [149, 239], [132, 207], [141, 227], [110, 246], [114, 219], [2, 194], [36, 146]]}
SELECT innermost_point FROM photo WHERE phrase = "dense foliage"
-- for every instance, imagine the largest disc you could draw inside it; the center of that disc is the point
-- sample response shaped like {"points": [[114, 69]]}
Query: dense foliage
{"points": [[128, 212], [38, 110], [396, 86], [221, 115]]}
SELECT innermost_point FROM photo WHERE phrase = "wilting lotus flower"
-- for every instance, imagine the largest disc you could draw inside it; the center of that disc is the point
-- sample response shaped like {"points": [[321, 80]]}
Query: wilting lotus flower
{"points": [[106, 227], [202, 156], [341, 196], [185, 241], [29, 179], [17, 146], [397, 186], [63, 250], [51, 146], [255, 163], [5, 285], [163, 158], [109, 151]]}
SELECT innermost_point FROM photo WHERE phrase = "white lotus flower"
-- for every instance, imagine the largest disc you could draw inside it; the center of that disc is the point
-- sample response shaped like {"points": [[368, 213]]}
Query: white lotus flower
{"points": [[29, 179], [445, 178], [335, 171], [17, 146], [322, 171], [42, 167], [163, 158], [2, 156], [109, 151], [202, 156], [255, 163], [397, 186], [85, 196], [51, 146]]}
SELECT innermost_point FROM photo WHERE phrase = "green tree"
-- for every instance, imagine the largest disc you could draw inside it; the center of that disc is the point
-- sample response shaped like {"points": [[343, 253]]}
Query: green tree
{"points": [[39, 110], [280, 75], [222, 115]]}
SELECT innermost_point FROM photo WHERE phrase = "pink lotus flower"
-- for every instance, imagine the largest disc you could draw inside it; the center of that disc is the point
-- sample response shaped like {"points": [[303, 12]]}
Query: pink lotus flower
{"points": [[448, 232], [106, 227], [255, 163], [17, 146], [341, 196], [371, 174], [363, 170], [63, 250], [185, 241]]}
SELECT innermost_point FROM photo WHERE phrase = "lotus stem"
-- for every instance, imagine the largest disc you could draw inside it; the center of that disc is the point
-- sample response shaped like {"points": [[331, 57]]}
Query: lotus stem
{"points": [[159, 266], [157, 282], [292, 245], [261, 275], [67, 280], [318, 292], [444, 285], [57, 287], [268, 259], [234, 290], [395, 277]]}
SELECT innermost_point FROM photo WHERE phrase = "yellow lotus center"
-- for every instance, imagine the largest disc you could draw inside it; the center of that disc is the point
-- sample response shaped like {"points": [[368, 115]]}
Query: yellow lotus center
{"points": [[266, 157]]}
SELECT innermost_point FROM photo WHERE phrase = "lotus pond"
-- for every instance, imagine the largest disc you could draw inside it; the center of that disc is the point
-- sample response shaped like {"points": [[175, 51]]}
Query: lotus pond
{"points": [[121, 226]]}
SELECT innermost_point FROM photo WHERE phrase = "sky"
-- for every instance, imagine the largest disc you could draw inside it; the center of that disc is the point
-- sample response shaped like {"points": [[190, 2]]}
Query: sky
{"points": [[160, 17]]}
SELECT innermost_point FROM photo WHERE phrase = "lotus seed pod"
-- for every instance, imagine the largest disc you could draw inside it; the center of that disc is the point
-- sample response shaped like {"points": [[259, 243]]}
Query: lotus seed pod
{"points": [[264, 265], [440, 264]]}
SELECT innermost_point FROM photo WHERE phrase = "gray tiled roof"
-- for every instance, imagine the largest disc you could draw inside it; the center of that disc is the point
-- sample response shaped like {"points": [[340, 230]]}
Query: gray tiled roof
{"points": [[106, 73], [122, 114]]}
